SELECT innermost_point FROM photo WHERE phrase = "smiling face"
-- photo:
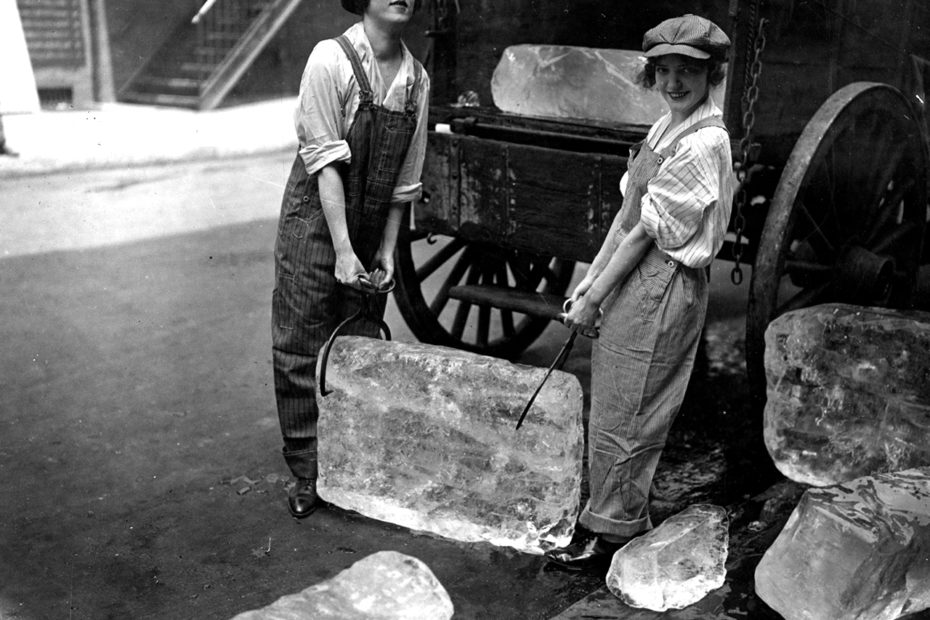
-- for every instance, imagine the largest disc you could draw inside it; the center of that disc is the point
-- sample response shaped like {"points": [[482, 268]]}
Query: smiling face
{"points": [[391, 11], [682, 81]]}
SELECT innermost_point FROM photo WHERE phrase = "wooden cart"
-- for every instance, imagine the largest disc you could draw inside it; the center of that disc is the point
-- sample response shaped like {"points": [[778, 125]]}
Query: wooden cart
{"points": [[824, 101]]}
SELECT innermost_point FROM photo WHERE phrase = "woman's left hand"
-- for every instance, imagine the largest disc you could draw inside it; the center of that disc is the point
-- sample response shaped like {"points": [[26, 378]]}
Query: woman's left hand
{"points": [[383, 271], [582, 315]]}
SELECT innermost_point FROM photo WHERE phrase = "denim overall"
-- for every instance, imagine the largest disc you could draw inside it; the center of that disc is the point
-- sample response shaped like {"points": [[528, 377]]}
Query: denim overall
{"points": [[640, 366], [308, 303]]}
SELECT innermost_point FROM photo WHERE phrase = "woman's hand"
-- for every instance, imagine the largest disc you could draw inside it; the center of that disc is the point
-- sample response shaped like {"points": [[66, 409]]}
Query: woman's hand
{"points": [[382, 275], [582, 315], [349, 271], [582, 288]]}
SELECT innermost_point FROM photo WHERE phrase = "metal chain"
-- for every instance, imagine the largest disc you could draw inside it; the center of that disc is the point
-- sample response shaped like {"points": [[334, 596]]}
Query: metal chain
{"points": [[750, 96]]}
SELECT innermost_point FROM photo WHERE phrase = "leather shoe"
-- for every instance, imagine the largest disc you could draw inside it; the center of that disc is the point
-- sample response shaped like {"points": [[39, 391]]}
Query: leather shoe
{"points": [[302, 499], [585, 552]]}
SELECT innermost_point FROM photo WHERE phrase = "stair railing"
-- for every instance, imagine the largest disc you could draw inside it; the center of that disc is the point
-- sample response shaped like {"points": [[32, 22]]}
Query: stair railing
{"points": [[219, 24]]}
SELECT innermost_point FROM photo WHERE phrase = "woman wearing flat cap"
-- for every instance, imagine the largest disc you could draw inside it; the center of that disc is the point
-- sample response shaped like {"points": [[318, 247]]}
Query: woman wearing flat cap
{"points": [[361, 126], [650, 281]]}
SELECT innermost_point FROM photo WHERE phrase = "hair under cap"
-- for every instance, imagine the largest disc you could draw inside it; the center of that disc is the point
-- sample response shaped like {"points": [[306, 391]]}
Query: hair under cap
{"points": [[688, 35], [351, 6]]}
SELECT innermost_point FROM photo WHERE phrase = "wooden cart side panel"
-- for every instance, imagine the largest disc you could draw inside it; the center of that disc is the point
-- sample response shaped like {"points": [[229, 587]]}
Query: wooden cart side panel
{"points": [[563, 203], [529, 198]]}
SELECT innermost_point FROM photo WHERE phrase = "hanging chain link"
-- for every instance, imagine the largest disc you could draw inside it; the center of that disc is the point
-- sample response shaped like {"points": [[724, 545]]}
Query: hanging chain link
{"points": [[742, 167]]}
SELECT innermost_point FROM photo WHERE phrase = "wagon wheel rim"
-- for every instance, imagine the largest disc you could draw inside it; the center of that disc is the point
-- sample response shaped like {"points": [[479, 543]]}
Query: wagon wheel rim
{"points": [[847, 218], [446, 321]]}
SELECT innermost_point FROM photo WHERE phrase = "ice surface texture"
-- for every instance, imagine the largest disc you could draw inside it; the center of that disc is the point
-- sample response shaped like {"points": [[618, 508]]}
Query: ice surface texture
{"points": [[423, 436], [383, 586], [857, 551], [848, 392], [676, 564], [583, 83]]}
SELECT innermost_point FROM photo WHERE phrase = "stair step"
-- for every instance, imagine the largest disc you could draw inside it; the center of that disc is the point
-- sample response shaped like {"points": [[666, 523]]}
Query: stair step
{"points": [[223, 37], [181, 83], [191, 68], [170, 86], [179, 101]]}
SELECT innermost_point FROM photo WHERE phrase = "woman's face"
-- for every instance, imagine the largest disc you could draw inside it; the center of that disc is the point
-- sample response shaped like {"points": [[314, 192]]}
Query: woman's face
{"points": [[682, 80], [391, 11]]}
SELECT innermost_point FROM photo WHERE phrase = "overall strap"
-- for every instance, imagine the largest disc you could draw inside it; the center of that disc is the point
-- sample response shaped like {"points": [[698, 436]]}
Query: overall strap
{"points": [[414, 96], [360, 76], [711, 121]]}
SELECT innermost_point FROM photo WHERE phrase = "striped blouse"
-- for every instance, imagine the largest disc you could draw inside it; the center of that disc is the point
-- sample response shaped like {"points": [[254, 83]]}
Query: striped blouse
{"points": [[686, 208]]}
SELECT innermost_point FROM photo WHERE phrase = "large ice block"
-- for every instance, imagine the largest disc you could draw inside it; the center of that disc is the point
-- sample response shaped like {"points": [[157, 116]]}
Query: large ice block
{"points": [[423, 436], [584, 83], [857, 551], [848, 392], [674, 565], [386, 586]]}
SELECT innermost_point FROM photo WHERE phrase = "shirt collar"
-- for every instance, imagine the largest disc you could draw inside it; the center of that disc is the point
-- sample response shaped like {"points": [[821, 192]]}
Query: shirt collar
{"points": [[358, 38], [705, 110]]}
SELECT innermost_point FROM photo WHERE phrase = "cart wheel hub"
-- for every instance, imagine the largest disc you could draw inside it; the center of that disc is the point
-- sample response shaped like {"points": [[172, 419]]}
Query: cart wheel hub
{"points": [[865, 277]]}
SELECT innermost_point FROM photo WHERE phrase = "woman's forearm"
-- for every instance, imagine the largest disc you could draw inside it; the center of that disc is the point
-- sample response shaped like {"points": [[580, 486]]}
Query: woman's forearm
{"points": [[607, 249], [625, 257], [332, 197], [392, 227]]}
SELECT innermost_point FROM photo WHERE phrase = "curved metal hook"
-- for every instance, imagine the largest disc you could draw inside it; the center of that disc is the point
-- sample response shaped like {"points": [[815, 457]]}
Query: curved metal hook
{"points": [[359, 314]]}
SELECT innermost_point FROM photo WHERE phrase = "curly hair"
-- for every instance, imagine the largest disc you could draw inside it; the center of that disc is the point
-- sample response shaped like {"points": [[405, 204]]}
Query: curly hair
{"points": [[716, 71]]}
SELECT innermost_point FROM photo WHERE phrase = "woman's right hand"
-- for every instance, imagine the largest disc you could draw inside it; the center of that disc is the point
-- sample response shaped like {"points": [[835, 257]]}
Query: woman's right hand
{"points": [[582, 288], [349, 271]]}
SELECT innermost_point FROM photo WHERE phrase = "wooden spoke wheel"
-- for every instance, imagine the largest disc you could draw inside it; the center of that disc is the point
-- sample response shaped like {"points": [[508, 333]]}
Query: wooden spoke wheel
{"points": [[847, 219], [429, 268]]}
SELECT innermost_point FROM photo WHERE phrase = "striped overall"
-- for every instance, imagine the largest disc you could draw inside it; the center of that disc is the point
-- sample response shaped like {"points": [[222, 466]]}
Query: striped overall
{"points": [[308, 303], [640, 367]]}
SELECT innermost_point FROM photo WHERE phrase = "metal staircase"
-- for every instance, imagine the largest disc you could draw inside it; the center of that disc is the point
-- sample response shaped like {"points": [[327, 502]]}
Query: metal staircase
{"points": [[205, 57]]}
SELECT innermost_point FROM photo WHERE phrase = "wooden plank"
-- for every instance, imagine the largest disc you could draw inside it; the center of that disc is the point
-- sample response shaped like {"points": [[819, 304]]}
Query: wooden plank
{"points": [[534, 303]]}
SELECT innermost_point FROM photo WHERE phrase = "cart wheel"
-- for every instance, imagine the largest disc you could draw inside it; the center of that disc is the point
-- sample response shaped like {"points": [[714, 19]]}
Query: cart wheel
{"points": [[847, 219], [441, 262]]}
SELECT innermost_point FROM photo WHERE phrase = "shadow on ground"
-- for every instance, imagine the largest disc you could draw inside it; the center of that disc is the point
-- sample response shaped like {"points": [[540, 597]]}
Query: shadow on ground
{"points": [[139, 468]]}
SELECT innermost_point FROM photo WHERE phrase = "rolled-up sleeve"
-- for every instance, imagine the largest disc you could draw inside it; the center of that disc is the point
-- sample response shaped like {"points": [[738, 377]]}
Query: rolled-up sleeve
{"points": [[409, 186], [685, 186], [319, 119]]}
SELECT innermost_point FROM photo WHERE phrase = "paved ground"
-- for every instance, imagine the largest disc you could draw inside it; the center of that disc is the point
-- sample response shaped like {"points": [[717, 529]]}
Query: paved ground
{"points": [[139, 466]]}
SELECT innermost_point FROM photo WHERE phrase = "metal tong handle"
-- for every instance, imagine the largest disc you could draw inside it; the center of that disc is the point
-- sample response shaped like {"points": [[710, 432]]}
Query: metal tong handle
{"points": [[559, 360], [366, 312]]}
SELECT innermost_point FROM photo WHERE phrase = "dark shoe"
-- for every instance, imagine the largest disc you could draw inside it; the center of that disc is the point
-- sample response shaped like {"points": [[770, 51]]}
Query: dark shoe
{"points": [[5, 150], [302, 499], [585, 552]]}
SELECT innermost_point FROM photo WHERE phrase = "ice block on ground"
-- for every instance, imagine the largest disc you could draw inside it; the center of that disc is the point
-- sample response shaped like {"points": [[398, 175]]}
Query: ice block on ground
{"points": [[848, 392], [584, 83], [674, 565], [423, 436], [383, 586], [856, 551]]}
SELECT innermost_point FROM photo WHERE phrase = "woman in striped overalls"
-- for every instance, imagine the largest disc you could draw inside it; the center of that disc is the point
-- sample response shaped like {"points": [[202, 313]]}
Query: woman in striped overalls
{"points": [[649, 279], [361, 124]]}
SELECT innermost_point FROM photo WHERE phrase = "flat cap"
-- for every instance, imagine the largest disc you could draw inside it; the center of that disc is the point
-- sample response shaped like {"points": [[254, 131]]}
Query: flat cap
{"points": [[688, 35]]}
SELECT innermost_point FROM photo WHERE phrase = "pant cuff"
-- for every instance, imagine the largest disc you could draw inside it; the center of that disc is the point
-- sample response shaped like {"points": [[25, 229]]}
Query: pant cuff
{"points": [[302, 463], [613, 527]]}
